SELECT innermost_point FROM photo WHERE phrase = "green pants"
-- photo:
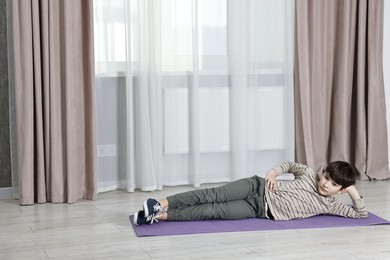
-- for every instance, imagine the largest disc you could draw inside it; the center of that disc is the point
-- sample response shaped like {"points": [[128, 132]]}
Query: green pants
{"points": [[240, 199]]}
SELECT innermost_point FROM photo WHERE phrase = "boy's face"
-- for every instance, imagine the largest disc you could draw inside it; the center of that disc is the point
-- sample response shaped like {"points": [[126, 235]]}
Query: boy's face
{"points": [[328, 187]]}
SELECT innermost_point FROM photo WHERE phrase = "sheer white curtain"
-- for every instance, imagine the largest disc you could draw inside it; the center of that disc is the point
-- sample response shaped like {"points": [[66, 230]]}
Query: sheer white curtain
{"points": [[192, 91], [386, 63]]}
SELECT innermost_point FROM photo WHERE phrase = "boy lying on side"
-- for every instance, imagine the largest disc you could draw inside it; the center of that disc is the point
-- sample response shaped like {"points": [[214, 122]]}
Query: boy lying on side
{"points": [[309, 194]]}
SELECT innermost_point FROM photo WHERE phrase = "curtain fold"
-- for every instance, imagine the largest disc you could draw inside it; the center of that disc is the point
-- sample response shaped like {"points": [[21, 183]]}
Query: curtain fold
{"points": [[339, 91], [147, 108], [55, 100]]}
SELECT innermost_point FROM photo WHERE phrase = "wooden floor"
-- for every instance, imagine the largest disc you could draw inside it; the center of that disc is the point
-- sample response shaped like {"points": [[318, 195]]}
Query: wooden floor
{"points": [[101, 230]]}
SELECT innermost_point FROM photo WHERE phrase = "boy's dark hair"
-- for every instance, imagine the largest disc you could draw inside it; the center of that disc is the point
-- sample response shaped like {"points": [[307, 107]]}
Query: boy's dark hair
{"points": [[342, 173]]}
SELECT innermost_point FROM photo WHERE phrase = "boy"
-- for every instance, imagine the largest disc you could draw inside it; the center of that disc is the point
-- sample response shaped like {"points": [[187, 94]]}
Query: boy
{"points": [[308, 195]]}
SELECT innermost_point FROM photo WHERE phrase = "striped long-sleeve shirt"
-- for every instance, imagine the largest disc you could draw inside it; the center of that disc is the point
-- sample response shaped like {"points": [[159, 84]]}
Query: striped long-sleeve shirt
{"points": [[300, 199]]}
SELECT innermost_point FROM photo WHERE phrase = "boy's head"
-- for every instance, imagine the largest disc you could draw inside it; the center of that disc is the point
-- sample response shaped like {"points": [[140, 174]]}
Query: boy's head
{"points": [[342, 173], [336, 177]]}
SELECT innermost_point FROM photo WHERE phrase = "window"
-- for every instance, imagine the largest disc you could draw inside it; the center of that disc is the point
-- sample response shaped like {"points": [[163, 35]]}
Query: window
{"points": [[186, 55]]}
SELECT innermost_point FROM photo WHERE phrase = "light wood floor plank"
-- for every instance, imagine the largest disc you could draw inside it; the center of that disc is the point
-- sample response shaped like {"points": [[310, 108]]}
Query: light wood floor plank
{"points": [[101, 230]]}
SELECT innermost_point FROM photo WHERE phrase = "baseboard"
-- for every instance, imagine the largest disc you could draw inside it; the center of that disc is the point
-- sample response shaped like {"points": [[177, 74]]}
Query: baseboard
{"points": [[9, 193], [104, 186]]}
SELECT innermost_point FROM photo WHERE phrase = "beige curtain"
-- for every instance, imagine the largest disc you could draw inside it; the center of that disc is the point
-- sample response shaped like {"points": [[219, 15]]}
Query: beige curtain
{"points": [[339, 90], [55, 100]]}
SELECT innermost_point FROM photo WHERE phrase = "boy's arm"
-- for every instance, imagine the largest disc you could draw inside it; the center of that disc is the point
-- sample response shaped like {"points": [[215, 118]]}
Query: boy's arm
{"points": [[287, 167], [357, 202], [358, 208], [353, 193], [292, 167]]}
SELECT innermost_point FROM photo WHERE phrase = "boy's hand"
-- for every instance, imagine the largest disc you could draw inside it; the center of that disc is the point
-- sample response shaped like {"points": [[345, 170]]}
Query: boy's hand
{"points": [[352, 192], [270, 180]]}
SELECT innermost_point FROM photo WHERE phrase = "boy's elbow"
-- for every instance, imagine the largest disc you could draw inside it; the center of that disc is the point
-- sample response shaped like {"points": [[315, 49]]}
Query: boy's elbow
{"points": [[363, 215]]}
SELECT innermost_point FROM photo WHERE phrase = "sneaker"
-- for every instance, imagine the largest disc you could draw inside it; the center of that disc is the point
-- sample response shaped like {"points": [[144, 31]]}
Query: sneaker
{"points": [[140, 219], [152, 207]]}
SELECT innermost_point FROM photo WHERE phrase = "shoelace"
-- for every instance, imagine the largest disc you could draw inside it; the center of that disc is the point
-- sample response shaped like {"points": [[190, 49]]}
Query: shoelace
{"points": [[157, 207], [152, 219]]}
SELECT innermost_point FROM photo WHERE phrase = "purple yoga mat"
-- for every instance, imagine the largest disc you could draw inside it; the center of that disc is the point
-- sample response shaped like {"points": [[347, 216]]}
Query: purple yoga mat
{"points": [[164, 228]]}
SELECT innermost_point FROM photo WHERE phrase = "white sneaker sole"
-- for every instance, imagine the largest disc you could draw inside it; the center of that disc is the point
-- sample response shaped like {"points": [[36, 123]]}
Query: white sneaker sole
{"points": [[135, 219], [146, 208]]}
